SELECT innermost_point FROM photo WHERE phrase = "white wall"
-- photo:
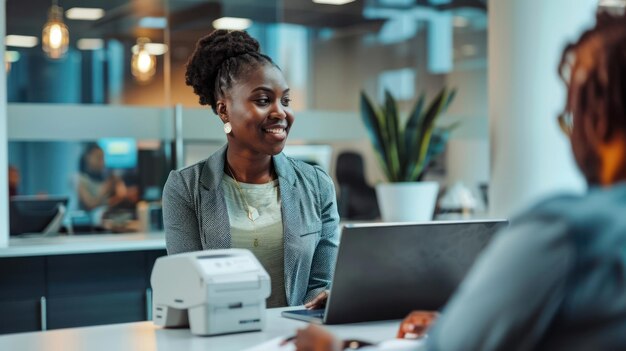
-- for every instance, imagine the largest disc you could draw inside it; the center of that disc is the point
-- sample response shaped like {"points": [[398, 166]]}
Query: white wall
{"points": [[530, 158], [467, 153], [348, 64]]}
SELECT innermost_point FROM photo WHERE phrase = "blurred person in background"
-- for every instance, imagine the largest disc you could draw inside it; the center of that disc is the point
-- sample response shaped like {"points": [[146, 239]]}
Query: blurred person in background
{"points": [[95, 187], [14, 180]]}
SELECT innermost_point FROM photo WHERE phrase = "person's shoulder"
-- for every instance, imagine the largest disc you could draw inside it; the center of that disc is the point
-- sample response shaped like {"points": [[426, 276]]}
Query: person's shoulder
{"points": [[82, 177], [548, 217], [600, 210], [309, 171], [597, 202], [187, 176], [555, 205], [192, 170], [299, 165]]}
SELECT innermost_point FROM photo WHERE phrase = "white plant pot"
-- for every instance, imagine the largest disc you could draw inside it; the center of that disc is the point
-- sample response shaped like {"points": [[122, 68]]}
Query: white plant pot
{"points": [[407, 201]]}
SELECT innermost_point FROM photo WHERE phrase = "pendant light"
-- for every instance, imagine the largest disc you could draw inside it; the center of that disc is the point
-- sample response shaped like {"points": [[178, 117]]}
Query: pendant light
{"points": [[55, 37], [143, 63]]}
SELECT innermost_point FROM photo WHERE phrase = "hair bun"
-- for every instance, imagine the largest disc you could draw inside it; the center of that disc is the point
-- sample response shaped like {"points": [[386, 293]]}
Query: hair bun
{"points": [[211, 51], [229, 44]]}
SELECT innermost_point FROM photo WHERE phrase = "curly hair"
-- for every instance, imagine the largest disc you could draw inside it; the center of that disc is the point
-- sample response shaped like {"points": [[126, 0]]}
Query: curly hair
{"points": [[594, 69], [219, 59]]}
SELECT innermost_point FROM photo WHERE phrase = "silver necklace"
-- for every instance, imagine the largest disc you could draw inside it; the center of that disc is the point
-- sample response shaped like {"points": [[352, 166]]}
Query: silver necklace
{"points": [[253, 213]]}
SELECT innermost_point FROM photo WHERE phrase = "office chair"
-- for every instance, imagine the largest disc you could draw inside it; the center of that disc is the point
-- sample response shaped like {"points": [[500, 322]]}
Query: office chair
{"points": [[357, 200]]}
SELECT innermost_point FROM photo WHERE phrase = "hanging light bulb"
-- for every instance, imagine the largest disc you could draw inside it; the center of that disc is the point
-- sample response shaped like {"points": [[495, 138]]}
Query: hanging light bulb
{"points": [[55, 36], [143, 63]]}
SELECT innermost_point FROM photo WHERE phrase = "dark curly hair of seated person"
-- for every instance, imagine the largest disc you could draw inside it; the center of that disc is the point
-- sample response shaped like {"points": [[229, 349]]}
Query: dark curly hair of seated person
{"points": [[594, 70], [219, 59]]}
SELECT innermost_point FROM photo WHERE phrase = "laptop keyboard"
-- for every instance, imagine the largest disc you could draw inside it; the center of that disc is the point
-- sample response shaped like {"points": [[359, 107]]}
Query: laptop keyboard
{"points": [[311, 313], [317, 313]]}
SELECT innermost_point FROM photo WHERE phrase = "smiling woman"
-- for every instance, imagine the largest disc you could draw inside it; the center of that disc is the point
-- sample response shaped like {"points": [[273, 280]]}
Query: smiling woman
{"points": [[249, 194]]}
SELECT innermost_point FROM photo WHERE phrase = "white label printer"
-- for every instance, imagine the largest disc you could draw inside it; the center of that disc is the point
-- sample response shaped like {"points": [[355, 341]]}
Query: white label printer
{"points": [[214, 292]]}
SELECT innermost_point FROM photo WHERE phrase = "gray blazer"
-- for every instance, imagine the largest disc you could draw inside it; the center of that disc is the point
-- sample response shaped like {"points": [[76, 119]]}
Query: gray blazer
{"points": [[196, 218]]}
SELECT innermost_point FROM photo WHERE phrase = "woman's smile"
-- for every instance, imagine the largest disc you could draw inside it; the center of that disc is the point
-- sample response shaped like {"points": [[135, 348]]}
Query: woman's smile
{"points": [[277, 132]]}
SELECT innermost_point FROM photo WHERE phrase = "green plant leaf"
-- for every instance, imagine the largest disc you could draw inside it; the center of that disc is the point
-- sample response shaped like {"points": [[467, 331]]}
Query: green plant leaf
{"points": [[451, 96], [393, 136], [404, 153], [410, 133], [437, 144], [451, 127], [371, 119], [416, 159]]}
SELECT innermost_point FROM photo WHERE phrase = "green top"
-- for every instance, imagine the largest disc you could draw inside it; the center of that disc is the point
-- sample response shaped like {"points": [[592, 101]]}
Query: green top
{"points": [[264, 235]]}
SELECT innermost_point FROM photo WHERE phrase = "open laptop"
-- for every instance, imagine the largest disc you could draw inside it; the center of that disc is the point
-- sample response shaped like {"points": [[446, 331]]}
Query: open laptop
{"points": [[383, 271], [36, 215]]}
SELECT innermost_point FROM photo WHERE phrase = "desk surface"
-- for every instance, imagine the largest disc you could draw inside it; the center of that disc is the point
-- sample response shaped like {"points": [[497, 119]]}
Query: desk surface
{"points": [[77, 244], [145, 336], [89, 243]]}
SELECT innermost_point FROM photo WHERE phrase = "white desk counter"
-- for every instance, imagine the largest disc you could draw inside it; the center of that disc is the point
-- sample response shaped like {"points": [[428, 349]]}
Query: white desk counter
{"points": [[78, 244], [88, 243], [145, 336]]}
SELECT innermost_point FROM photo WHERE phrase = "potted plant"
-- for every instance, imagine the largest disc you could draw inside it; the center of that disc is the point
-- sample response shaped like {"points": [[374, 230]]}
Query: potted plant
{"points": [[405, 152]]}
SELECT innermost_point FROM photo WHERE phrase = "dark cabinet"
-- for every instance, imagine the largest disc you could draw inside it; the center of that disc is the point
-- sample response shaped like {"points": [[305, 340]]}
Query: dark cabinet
{"points": [[20, 315], [96, 273], [62, 291], [22, 285], [96, 309], [22, 278]]}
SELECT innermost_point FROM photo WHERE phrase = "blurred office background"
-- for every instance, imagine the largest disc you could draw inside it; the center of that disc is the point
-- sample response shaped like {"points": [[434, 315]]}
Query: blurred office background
{"points": [[93, 91]]}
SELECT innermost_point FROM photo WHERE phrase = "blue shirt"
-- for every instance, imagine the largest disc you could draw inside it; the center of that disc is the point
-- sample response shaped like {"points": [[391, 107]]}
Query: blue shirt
{"points": [[555, 279]]}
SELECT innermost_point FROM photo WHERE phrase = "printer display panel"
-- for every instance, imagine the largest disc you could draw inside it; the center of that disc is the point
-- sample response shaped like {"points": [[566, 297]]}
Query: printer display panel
{"points": [[226, 264]]}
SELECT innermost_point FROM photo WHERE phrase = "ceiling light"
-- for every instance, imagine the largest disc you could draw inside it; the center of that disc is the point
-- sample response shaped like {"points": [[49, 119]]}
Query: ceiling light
{"points": [[143, 64], [84, 13], [155, 49], [232, 23], [332, 2], [55, 37], [89, 44], [153, 22], [22, 41], [460, 22]]}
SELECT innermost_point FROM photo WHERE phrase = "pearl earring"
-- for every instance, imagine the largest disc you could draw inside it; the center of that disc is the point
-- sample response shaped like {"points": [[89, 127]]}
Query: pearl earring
{"points": [[227, 128]]}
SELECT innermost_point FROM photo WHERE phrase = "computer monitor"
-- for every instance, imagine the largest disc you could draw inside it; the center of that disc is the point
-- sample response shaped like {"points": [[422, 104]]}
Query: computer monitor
{"points": [[119, 153], [36, 214]]}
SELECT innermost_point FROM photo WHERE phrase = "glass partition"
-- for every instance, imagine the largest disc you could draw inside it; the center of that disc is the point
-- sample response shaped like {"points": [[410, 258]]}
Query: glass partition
{"points": [[122, 75], [100, 52], [107, 181]]}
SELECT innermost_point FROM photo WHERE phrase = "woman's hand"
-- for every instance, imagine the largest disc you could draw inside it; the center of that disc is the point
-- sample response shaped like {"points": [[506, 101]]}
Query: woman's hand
{"points": [[416, 324], [315, 338], [318, 301]]}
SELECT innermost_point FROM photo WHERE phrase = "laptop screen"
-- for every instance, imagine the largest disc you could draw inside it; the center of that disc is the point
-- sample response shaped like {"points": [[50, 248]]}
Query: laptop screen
{"points": [[384, 271]]}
